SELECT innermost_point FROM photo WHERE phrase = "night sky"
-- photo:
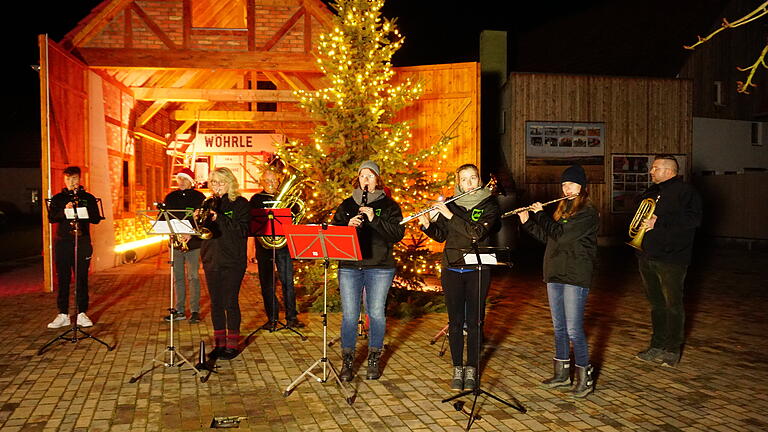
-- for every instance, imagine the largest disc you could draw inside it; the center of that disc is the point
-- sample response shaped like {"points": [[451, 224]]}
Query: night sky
{"points": [[590, 36]]}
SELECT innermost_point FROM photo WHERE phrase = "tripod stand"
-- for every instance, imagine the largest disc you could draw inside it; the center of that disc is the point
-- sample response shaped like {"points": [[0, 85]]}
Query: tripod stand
{"points": [[168, 223], [75, 333], [472, 256], [270, 230], [323, 242]]}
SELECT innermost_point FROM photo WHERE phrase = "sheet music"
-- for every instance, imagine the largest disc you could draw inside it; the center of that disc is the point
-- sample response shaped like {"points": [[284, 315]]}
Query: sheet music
{"points": [[471, 258], [179, 227], [82, 213]]}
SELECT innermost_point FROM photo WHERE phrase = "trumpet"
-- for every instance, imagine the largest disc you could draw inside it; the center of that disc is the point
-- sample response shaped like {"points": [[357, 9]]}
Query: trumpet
{"points": [[530, 207], [636, 230], [203, 217], [491, 184]]}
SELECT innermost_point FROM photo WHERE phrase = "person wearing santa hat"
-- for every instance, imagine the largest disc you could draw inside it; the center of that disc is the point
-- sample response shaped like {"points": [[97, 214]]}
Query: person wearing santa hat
{"points": [[187, 200]]}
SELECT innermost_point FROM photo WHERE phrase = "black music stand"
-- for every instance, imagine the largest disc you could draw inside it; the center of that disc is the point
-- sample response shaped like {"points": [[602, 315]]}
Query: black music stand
{"points": [[480, 256], [323, 242], [271, 222], [74, 217], [168, 223]]}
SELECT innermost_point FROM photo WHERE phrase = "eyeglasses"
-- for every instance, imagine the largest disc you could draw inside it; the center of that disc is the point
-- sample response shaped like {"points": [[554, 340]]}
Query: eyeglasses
{"points": [[368, 176], [218, 182]]}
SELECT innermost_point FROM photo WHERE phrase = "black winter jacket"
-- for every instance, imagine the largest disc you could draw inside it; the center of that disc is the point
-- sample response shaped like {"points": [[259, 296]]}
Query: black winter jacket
{"points": [[466, 226], [679, 213], [187, 199], [571, 245], [377, 237], [227, 247], [56, 215]]}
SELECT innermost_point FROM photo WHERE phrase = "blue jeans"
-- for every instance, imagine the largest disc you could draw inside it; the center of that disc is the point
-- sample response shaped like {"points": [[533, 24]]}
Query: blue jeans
{"points": [[566, 304], [192, 260], [376, 283]]}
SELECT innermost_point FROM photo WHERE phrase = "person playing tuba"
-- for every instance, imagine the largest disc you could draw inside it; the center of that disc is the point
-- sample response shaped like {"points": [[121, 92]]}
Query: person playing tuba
{"points": [[269, 182]]}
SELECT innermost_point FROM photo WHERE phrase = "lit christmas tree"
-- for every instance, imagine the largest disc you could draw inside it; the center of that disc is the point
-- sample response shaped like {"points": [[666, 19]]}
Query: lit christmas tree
{"points": [[358, 113]]}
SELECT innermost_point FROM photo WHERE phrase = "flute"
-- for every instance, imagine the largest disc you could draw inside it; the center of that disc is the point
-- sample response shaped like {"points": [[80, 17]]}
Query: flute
{"points": [[530, 207]]}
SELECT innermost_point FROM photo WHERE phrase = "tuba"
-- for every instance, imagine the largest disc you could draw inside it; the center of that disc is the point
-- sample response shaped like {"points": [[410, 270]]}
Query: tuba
{"points": [[636, 230], [288, 196]]}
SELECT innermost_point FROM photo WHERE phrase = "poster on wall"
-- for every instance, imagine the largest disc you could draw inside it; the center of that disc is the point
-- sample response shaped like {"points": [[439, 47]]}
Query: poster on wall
{"points": [[630, 178], [552, 145]]}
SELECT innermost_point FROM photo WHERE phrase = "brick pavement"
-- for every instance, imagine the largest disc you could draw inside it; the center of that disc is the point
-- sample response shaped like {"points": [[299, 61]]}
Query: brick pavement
{"points": [[720, 385]]}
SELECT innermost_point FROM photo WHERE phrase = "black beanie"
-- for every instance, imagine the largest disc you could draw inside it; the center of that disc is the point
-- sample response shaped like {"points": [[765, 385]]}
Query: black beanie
{"points": [[574, 174]]}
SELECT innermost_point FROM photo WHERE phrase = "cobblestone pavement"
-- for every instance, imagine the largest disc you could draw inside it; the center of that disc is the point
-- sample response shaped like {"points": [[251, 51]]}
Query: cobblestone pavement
{"points": [[721, 383]]}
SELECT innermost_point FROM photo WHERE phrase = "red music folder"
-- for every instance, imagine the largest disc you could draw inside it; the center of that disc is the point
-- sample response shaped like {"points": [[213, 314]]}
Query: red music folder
{"points": [[261, 225]]}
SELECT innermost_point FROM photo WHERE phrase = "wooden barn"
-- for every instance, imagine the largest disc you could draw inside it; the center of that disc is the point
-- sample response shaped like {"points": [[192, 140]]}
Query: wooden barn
{"points": [[138, 87], [613, 126]]}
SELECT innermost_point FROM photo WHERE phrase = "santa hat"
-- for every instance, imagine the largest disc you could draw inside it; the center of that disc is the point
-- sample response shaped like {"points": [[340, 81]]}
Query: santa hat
{"points": [[186, 173]]}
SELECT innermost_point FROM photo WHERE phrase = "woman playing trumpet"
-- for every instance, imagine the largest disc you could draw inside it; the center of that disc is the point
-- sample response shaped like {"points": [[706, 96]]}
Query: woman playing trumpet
{"points": [[571, 239], [460, 224]]}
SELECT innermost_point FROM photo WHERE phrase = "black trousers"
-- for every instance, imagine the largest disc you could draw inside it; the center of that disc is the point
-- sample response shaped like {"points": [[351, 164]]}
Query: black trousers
{"points": [[64, 251], [461, 299], [285, 275], [224, 292], [664, 283]]}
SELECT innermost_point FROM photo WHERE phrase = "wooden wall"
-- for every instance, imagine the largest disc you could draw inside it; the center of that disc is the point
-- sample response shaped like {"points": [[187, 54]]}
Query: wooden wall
{"points": [[449, 105], [641, 115]]}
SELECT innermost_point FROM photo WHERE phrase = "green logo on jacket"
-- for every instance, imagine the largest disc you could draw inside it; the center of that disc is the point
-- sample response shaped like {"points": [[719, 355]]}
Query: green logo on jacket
{"points": [[228, 214], [377, 212], [476, 213]]}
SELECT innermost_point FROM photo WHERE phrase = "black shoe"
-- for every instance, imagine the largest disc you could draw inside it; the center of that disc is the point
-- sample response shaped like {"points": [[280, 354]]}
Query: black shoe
{"points": [[216, 353], [178, 316], [270, 325], [347, 358], [651, 355], [229, 353], [195, 318], [670, 358], [470, 377], [295, 323], [373, 365]]}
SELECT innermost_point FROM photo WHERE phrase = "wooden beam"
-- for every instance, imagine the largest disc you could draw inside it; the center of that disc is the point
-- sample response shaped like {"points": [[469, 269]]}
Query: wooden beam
{"points": [[186, 29], [147, 115], [212, 95], [153, 26], [250, 20], [94, 25], [195, 59], [127, 28], [239, 116], [283, 30]]}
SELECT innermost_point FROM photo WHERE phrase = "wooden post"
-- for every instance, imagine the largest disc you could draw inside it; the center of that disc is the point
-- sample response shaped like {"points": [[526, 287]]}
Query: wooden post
{"points": [[45, 162]]}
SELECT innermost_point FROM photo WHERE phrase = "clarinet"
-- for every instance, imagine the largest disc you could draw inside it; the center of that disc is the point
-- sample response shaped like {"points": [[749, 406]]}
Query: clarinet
{"points": [[364, 203]]}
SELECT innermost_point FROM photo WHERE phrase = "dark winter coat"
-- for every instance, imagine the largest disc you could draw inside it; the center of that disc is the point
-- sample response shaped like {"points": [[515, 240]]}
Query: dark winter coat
{"points": [[376, 237], [679, 213], [466, 226], [64, 231], [187, 199], [571, 245], [227, 247]]}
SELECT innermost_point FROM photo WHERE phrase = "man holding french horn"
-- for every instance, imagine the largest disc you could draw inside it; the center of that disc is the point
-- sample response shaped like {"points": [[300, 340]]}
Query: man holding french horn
{"points": [[664, 254]]}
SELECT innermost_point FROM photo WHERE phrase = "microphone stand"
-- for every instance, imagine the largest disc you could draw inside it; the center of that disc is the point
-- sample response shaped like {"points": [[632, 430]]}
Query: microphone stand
{"points": [[76, 329], [477, 391]]}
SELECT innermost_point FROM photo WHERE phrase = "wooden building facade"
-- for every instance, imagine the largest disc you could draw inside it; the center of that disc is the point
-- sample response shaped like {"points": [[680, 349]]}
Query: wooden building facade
{"points": [[127, 91], [624, 120]]}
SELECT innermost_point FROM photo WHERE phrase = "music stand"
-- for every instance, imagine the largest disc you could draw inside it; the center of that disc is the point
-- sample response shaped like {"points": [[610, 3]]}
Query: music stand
{"points": [[323, 242], [74, 216], [271, 222], [167, 223], [481, 256]]}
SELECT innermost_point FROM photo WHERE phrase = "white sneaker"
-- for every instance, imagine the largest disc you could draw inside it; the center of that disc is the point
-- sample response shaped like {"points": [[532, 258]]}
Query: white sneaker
{"points": [[83, 320], [61, 320]]}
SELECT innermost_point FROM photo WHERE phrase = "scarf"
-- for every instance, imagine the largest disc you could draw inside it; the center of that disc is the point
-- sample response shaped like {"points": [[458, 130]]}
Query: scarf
{"points": [[469, 201], [373, 195]]}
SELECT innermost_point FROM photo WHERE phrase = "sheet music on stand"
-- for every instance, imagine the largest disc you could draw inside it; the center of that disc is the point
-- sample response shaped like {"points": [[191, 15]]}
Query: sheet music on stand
{"points": [[172, 226], [82, 213]]}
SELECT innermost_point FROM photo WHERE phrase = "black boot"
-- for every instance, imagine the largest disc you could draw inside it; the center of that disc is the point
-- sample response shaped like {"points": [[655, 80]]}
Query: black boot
{"points": [[373, 364], [470, 377], [561, 377], [584, 382], [347, 358]]}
